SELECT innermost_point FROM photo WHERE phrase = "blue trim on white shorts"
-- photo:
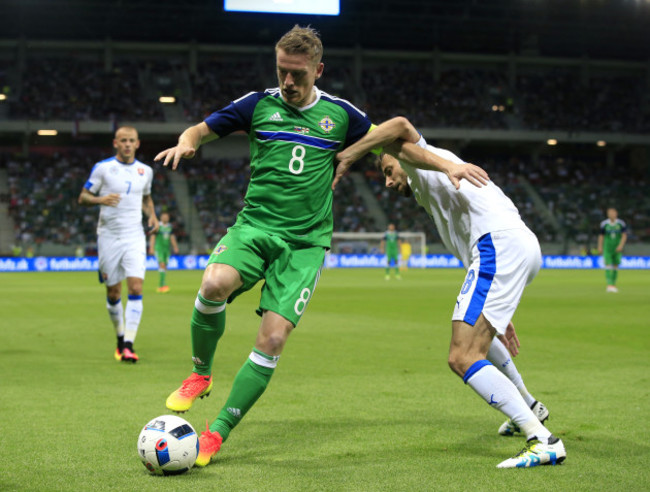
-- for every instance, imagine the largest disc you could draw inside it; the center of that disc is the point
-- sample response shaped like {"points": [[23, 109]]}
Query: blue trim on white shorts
{"points": [[486, 270]]}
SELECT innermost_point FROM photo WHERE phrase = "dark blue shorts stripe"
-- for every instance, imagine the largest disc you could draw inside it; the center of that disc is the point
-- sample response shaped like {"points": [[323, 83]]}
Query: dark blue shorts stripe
{"points": [[487, 269]]}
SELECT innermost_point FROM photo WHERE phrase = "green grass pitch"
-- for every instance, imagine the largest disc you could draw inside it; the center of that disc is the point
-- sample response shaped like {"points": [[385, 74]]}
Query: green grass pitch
{"points": [[362, 399]]}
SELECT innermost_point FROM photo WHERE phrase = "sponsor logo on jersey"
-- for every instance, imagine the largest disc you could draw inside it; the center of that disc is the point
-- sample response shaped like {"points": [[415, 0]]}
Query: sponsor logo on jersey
{"points": [[301, 129], [114, 169], [141, 171], [220, 249], [327, 124], [275, 117]]}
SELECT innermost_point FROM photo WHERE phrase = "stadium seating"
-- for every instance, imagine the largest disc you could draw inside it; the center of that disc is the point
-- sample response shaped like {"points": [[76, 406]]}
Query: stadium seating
{"points": [[65, 88]]}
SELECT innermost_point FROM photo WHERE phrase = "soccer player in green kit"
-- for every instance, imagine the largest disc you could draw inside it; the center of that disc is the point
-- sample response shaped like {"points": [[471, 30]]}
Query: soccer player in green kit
{"points": [[611, 240], [285, 227], [390, 247], [161, 244]]}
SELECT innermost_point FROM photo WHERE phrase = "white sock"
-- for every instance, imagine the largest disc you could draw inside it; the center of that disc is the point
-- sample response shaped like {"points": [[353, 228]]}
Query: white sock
{"points": [[500, 357], [499, 392], [115, 312], [132, 316]]}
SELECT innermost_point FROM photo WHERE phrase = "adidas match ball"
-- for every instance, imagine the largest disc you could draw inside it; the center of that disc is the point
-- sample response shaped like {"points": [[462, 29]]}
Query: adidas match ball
{"points": [[168, 445]]}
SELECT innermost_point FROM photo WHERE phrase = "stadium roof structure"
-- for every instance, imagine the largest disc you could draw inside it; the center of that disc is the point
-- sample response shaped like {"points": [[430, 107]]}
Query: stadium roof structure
{"points": [[569, 28]]}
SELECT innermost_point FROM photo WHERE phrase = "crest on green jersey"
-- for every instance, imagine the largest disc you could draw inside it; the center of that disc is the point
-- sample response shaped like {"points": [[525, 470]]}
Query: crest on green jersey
{"points": [[327, 124]]}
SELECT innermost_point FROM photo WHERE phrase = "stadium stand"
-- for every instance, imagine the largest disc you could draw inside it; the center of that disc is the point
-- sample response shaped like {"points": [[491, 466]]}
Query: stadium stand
{"points": [[561, 197], [79, 89], [61, 88]]}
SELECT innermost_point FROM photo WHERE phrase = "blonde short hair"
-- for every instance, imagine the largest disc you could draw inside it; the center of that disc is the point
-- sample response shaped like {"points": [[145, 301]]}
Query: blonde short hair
{"points": [[301, 40]]}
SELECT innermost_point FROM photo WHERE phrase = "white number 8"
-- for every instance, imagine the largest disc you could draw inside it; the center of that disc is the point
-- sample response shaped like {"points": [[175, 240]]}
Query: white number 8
{"points": [[302, 301], [297, 155]]}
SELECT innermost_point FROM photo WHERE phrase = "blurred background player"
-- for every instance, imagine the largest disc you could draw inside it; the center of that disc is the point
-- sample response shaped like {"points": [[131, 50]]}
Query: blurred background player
{"points": [[483, 229], [611, 241], [390, 246], [121, 186], [162, 244]]}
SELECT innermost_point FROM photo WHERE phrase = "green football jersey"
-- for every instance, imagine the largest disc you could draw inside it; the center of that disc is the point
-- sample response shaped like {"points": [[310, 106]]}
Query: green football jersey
{"points": [[612, 233], [292, 160], [391, 242], [163, 238]]}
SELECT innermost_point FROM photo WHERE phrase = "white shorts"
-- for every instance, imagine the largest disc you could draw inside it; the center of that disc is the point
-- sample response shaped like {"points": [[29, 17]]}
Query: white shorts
{"points": [[121, 257], [503, 263]]}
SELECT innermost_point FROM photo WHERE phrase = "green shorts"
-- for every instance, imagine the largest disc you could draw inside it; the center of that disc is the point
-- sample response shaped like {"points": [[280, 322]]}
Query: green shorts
{"points": [[612, 257], [162, 256], [291, 272], [392, 257]]}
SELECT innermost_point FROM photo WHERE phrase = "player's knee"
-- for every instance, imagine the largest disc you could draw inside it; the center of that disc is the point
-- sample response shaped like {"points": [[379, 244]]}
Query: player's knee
{"points": [[274, 343], [456, 363], [215, 289]]}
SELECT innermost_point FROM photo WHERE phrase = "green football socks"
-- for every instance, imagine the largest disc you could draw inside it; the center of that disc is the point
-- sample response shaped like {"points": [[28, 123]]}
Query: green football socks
{"points": [[161, 277], [208, 324], [249, 384]]}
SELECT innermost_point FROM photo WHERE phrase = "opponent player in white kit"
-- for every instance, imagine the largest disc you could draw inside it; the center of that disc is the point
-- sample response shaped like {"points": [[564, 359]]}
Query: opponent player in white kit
{"points": [[121, 186], [483, 229]]}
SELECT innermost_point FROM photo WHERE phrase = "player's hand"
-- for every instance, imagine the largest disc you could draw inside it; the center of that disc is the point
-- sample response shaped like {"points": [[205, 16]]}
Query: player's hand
{"points": [[471, 172], [346, 158], [510, 340], [341, 170], [110, 200], [152, 224], [619, 249], [600, 251], [175, 154]]}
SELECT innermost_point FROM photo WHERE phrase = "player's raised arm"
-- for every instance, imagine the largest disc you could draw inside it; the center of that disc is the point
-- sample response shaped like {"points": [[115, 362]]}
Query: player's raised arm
{"points": [[398, 137], [188, 143], [378, 137], [421, 158]]}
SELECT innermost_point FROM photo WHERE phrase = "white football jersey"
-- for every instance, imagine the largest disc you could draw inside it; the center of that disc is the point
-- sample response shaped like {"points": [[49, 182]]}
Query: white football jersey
{"points": [[462, 216], [132, 182]]}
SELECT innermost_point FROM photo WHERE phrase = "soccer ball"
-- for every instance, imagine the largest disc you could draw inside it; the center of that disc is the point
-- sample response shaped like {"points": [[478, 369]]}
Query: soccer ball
{"points": [[168, 445]]}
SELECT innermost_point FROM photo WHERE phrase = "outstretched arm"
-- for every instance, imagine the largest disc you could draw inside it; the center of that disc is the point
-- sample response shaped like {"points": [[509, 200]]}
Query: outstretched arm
{"points": [[188, 143], [398, 136], [416, 156], [380, 136]]}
